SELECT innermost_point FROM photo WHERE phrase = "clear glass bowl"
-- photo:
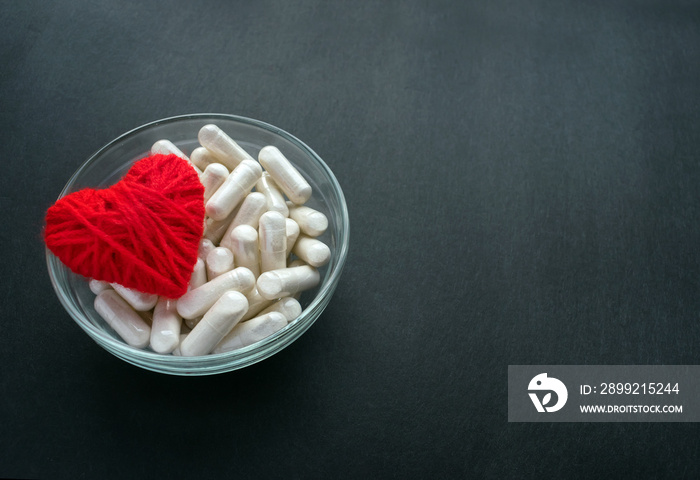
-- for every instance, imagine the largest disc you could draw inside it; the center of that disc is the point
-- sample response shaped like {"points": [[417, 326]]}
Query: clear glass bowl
{"points": [[112, 161]]}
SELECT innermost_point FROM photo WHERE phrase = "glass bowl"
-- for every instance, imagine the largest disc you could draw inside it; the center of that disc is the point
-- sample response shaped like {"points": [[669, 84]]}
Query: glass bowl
{"points": [[112, 161]]}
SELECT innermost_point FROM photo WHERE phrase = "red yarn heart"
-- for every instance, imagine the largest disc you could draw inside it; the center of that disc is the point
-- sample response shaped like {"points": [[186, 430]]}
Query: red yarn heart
{"points": [[142, 233]]}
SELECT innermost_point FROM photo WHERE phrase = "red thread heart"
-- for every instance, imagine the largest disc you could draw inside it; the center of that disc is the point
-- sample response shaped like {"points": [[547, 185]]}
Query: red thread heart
{"points": [[142, 232]]}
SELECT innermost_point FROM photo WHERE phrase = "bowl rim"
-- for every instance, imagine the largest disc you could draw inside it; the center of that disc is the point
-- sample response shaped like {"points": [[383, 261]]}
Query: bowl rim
{"points": [[265, 347]]}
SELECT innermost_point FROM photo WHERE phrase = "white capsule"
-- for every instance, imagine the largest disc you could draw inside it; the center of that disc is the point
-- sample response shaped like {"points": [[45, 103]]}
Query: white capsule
{"points": [[214, 230], [292, 229], [249, 213], [212, 178], [285, 175], [196, 302], [287, 306], [198, 278], [199, 275], [166, 147], [219, 260], [234, 189], [138, 300], [201, 158], [256, 303], [215, 325], [272, 233], [222, 146], [97, 286], [311, 222], [122, 318], [243, 242], [312, 251], [251, 331], [165, 331], [273, 196], [286, 282], [205, 246]]}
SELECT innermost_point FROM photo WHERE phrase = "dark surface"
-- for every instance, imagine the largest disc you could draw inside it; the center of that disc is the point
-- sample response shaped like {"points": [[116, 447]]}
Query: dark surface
{"points": [[522, 180]]}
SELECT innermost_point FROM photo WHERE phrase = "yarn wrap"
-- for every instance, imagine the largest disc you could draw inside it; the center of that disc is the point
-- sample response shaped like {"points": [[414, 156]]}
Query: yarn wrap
{"points": [[143, 232]]}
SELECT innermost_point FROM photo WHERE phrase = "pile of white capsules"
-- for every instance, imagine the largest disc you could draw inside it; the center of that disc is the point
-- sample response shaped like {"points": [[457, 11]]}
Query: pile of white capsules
{"points": [[258, 253]]}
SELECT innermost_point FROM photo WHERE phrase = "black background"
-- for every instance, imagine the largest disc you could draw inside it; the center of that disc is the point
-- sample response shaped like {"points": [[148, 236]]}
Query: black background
{"points": [[522, 181]]}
